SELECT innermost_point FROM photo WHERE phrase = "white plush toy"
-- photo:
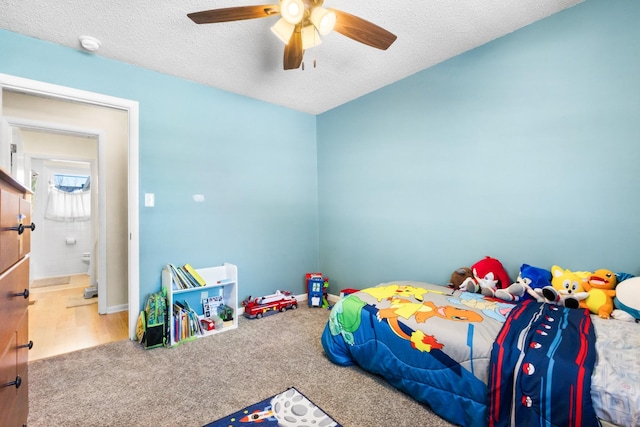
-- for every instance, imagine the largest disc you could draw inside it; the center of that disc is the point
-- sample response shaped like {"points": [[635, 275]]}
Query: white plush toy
{"points": [[628, 298]]}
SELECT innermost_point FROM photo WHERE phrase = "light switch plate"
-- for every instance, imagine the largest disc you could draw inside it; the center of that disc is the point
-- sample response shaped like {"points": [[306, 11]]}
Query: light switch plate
{"points": [[149, 200]]}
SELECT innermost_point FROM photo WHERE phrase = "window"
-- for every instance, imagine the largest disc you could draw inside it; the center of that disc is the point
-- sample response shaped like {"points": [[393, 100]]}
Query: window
{"points": [[69, 198], [71, 183]]}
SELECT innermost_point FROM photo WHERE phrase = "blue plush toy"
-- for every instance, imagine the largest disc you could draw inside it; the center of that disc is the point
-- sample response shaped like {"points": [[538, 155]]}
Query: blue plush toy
{"points": [[528, 285]]}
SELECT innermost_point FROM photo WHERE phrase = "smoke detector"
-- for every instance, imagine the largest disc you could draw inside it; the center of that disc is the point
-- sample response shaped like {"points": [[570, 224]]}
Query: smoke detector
{"points": [[89, 43]]}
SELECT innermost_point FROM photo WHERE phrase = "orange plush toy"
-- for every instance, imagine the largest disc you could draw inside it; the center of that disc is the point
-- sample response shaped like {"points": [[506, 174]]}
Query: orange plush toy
{"points": [[601, 289]]}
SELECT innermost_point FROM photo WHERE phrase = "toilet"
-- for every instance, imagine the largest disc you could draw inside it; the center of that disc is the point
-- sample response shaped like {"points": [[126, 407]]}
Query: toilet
{"points": [[91, 291], [86, 258]]}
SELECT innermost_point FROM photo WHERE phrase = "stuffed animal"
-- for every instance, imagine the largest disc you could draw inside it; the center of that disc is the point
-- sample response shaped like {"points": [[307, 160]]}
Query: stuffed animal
{"points": [[567, 287], [627, 299], [601, 290], [529, 284], [459, 276], [488, 276]]}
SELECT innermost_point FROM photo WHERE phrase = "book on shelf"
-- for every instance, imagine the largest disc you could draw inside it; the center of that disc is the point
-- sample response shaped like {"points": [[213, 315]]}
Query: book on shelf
{"points": [[186, 323], [192, 271], [182, 279], [178, 281], [190, 281], [194, 320]]}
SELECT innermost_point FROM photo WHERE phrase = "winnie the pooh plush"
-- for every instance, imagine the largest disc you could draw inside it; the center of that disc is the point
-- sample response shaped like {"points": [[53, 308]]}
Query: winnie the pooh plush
{"points": [[601, 290], [567, 287]]}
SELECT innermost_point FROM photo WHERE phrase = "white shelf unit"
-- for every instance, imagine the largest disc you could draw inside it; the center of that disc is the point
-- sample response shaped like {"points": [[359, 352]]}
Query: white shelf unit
{"points": [[221, 281]]}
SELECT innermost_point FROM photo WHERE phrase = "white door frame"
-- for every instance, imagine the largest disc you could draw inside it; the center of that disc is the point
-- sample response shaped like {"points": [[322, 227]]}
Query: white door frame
{"points": [[98, 135], [132, 108]]}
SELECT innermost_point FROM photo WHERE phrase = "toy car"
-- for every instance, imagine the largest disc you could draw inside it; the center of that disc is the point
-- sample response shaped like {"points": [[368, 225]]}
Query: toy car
{"points": [[269, 304]]}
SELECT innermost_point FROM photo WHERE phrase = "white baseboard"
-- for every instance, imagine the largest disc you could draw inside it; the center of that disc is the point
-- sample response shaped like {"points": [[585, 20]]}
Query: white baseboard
{"points": [[117, 308], [331, 297]]}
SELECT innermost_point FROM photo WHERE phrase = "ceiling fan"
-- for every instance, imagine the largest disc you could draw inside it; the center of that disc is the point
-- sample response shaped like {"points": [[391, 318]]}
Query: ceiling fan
{"points": [[300, 25]]}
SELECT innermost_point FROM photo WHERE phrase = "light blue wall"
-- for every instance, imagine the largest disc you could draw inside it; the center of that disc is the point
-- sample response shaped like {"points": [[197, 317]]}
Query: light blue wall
{"points": [[526, 149], [260, 183]]}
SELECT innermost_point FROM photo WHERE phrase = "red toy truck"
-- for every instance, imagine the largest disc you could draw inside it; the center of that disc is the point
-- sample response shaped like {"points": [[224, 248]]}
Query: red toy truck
{"points": [[269, 304]]}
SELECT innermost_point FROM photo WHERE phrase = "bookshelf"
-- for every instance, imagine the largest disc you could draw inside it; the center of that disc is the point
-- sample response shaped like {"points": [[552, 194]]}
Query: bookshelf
{"points": [[222, 281]]}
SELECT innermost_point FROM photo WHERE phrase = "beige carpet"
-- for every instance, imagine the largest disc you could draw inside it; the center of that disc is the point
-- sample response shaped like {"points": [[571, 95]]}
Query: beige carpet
{"points": [[50, 281], [195, 383], [79, 300]]}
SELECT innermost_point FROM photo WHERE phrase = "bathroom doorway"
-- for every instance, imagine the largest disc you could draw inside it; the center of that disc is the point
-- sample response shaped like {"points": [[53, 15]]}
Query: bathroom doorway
{"points": [[61, 165], [50, 151], [122, 260]]}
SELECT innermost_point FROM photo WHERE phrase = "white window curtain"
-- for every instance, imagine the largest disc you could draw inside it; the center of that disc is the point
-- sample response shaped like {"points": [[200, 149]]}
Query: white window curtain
{"points": [[68, 206]]}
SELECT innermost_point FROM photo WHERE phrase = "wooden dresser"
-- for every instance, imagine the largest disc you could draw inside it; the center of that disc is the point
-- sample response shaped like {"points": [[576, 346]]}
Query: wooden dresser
{"points": [[15, 245]]}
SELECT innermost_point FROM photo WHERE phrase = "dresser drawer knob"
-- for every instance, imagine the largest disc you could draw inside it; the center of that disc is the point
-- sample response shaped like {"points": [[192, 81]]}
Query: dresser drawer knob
{"points": [[24, 294], [29, 345], [17, 382], [20, 228]]}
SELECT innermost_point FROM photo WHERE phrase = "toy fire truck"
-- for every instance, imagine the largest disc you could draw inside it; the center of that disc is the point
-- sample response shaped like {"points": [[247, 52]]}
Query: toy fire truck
{"points": [[269, 304]]}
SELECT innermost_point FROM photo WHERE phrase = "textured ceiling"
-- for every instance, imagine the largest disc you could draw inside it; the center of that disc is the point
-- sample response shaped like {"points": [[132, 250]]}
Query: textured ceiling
{"points": [[244, 57]]}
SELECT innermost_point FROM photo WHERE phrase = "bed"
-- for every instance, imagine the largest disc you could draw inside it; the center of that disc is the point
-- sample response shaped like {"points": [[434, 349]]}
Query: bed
{"points": [[477, 361]]}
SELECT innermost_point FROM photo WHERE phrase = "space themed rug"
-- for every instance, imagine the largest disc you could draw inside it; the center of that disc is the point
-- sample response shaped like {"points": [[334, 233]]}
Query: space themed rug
{"points": [[287, 409]]}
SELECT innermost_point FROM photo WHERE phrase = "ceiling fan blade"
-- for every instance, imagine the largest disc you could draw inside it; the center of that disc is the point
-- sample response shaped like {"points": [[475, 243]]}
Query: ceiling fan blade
{"points": [[233, 14], [362, 31], [293, 50]]}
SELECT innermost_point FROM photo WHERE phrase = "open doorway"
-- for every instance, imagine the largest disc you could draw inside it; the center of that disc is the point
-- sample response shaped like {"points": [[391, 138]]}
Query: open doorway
{"points": [[63, 206], [61, 169], [126, 273]]}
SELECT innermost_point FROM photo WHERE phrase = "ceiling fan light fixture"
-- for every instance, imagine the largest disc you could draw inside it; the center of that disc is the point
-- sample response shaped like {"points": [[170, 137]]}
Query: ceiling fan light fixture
{"points": [[310, 37], [283, 30], [292, 11], [323, 19]]}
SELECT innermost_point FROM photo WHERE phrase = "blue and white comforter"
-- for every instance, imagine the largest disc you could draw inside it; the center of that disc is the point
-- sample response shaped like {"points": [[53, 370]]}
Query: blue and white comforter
{"points": [[435, 345], [426, 340], [615, 385]]}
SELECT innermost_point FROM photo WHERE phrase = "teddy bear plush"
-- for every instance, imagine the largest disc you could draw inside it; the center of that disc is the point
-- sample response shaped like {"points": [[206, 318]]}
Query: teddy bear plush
{"points": [[601, 290], [488, 276], [528, 285], [459, 276], [567, 287]]}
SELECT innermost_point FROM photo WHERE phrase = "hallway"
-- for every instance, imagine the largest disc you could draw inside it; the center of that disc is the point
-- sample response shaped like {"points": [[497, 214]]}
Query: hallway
{"points": [[61, 320]]}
